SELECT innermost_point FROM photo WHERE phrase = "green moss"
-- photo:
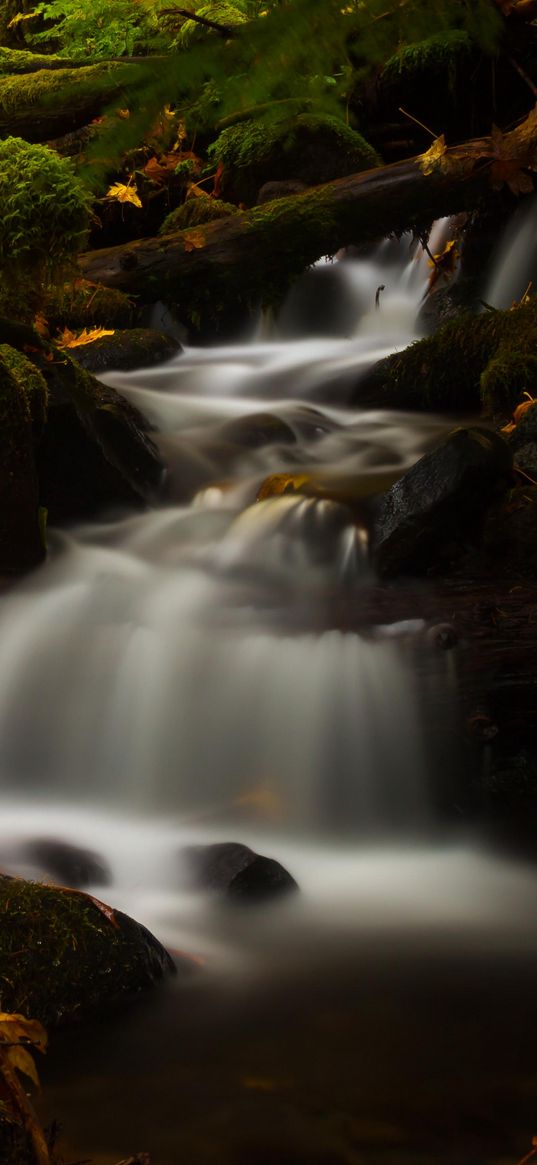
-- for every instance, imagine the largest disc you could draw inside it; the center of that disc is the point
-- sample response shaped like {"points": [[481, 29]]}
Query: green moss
{"points": [[87, 305], [489, 359], [508, 375], [437, 54], [196, 211], [61, 958], [14, 61], [21, 544], [309, 147], [44, 220], [50, 86], [30, 382]]}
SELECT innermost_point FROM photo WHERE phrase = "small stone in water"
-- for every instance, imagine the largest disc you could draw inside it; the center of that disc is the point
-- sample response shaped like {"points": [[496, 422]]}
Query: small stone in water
{"points": [[236, 871]]}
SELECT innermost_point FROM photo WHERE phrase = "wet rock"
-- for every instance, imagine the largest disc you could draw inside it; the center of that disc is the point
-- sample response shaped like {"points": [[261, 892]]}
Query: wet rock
{"points": [[236, 871], [428, 516], [23, 405], [256, 430], [65, 957], [69, 864], [95, 452], [127, 350]]}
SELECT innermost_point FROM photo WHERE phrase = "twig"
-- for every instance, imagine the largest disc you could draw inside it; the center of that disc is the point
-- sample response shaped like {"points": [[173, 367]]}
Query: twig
{"points": [[412, 118]]}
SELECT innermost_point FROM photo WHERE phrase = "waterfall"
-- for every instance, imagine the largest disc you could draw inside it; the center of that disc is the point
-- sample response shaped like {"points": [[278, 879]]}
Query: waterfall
{"points": [[180, 660]]}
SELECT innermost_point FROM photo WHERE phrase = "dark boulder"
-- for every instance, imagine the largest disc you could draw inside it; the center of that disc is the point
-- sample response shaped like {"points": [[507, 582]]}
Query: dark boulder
{"points": [[236, 871], [23, 407], [64, 956], [70, 864], [126, 350], [95, 452], [428, 517]]}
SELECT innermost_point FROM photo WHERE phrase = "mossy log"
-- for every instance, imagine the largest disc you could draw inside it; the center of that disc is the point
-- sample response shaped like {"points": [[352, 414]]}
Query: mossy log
{"points": [[252, 257], [51, 102]]}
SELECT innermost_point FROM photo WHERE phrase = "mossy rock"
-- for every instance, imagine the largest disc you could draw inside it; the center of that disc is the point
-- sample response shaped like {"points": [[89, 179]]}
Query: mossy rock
{"points": [[310, 148], [23, 406], [432, 78], [62, 958], [195, 211], [472, 362], [126, 350], [88, 305], [95, 453]]}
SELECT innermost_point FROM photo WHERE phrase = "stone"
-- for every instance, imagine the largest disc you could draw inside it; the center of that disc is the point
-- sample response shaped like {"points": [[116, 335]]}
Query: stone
{"points": [[75, 957], [70, 864], [95, 453], [429, 515], [236, 871], [126, 350]]}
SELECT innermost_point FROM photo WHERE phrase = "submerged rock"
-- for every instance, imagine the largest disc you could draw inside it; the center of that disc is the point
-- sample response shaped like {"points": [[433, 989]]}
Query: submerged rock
{"points": [[95, 452], [236, 871], [126, 350], [63, 956], [70, 864], [426, 518], [256, 430]]}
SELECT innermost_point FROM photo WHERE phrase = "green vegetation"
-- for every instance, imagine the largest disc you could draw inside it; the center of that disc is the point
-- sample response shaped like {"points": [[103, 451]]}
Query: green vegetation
{"points": [[87, 305], [438, 54], [486, 360], [45, 211], [310, 147], [196, 211]]}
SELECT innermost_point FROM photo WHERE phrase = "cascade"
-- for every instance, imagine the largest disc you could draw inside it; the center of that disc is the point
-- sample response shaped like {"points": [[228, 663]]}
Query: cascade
{"points": [[193, 673]]}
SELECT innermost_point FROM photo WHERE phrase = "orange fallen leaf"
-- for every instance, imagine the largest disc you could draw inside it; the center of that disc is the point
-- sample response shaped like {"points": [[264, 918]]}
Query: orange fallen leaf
{"points": [[194, 240], [68, 339]]}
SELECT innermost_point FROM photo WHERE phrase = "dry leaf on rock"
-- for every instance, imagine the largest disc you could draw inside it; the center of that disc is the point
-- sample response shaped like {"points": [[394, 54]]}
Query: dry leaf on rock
{"points": [[68, 339]]}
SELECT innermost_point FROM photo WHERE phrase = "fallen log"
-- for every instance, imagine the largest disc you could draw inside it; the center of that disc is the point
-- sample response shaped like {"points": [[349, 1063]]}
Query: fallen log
{"points": [[52, 102], [252, 257]]}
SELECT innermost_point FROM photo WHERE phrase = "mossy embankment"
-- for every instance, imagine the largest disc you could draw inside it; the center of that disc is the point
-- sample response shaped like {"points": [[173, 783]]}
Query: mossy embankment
{"points": [[472, 363]]}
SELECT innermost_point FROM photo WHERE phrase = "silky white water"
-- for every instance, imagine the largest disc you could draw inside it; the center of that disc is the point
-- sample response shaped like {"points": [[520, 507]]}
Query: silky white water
{"points": [[186, 674]]}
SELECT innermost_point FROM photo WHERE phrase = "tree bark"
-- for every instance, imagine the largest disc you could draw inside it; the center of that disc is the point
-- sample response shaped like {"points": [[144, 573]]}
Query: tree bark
{"points": [[253, 256]]}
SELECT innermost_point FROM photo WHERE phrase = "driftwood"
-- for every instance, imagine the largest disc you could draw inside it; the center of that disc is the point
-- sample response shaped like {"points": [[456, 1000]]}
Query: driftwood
{"points": [[253, 256]]}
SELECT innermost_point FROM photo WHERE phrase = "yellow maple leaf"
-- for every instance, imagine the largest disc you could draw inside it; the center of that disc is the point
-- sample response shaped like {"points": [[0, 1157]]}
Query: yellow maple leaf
{"points": [[16, 1034], [68, 339], [432, 158], [120, 192]]}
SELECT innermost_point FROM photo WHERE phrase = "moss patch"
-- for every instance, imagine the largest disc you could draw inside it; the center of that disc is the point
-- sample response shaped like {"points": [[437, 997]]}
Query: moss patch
{"points": [[309, 147], [195, 211], [22, 410], [488, 360], [88, 305], [62, 959], [437, 54]]}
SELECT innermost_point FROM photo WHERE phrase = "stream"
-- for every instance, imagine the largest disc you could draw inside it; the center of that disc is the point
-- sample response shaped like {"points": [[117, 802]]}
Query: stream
{"points": [[195, 674]]}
